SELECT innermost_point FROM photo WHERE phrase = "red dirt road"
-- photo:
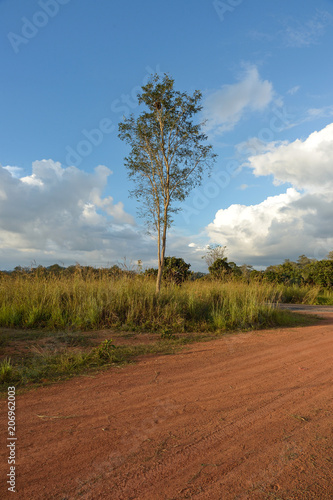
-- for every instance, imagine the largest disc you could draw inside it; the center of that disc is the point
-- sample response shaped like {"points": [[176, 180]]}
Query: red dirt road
{"points": [[248, 416]]}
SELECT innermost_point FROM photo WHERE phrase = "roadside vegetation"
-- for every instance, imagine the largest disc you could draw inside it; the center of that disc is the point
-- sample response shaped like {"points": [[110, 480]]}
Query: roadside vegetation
{"points": [[50, 358], [89, 301], [57, 322]]}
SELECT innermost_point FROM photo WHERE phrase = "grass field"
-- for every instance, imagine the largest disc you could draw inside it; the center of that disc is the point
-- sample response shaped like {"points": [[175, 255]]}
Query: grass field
{"points": [[42, 319]]}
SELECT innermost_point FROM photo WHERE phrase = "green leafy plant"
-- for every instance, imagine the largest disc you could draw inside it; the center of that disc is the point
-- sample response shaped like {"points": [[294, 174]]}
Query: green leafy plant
{"points": [[6, 370], [105, 350]]}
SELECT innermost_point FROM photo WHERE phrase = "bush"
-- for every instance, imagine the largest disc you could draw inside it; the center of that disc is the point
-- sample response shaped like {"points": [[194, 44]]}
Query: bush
{"points": [[175, 270]]}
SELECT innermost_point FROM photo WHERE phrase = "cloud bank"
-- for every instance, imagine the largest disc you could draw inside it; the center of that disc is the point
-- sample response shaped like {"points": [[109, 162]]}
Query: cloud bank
{"points": [[296, 222], [60, 214]]}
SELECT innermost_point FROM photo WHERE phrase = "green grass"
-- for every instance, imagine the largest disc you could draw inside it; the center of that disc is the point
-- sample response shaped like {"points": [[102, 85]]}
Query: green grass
{"points": [[42, 365], [54, 360], [47, 315], [311, 295], [74, 303], [6, 371], [325, 297]]}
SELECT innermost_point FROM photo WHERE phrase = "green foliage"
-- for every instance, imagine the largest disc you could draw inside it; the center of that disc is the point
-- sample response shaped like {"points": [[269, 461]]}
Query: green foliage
{"points": [[175, 270], [218, 265], [321, 273], [303, 272], [256, 275], [84, 272], [151, 272], [168, 154], [295, 294], [197, 275], [220, 269], [213, 253], [105, 350], [6, 370], [55, 269]]}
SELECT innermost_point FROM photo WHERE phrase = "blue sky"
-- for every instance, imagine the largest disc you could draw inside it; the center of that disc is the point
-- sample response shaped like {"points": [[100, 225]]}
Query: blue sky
{"points": [[71, 69]]}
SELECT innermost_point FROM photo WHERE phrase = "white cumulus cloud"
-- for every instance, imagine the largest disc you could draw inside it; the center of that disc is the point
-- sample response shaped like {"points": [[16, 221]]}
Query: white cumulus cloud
{"points": [[305, 164], [290, 224], [60, 212], [246, 230]]}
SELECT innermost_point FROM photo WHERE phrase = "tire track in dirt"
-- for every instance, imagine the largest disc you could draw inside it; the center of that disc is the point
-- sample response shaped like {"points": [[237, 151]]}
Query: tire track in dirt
{"points": [[236, 431], [246, 416]]}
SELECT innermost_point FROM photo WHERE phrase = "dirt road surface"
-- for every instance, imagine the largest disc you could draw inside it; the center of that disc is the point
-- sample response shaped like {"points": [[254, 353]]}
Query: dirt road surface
{"points": [[248, 416]]}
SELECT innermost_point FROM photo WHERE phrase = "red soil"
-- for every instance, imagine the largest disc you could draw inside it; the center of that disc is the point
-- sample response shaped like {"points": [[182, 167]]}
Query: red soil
{"points": [[248, 416]]}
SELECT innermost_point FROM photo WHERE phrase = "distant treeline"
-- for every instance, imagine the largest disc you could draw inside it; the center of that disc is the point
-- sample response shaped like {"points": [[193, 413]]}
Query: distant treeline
{"points": [[304, 271], [57, 270]]}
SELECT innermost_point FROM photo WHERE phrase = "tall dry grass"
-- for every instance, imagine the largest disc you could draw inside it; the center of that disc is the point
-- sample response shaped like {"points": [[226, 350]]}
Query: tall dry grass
{"points": [[77, 302], [92, 302]]}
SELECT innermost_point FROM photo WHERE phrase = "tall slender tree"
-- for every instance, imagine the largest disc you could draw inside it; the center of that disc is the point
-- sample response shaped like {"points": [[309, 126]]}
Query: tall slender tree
{"points": [[168, 157]]}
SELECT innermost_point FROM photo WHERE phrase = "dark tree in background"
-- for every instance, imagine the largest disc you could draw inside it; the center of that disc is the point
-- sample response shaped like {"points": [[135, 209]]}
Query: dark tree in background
{"points": [[220, 268], [168, 155], [175, 270]]}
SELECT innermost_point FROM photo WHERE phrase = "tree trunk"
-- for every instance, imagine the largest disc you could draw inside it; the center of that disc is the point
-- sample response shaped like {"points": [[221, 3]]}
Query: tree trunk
{"points": [[161, 253], [159, 272], [159, 278]]}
